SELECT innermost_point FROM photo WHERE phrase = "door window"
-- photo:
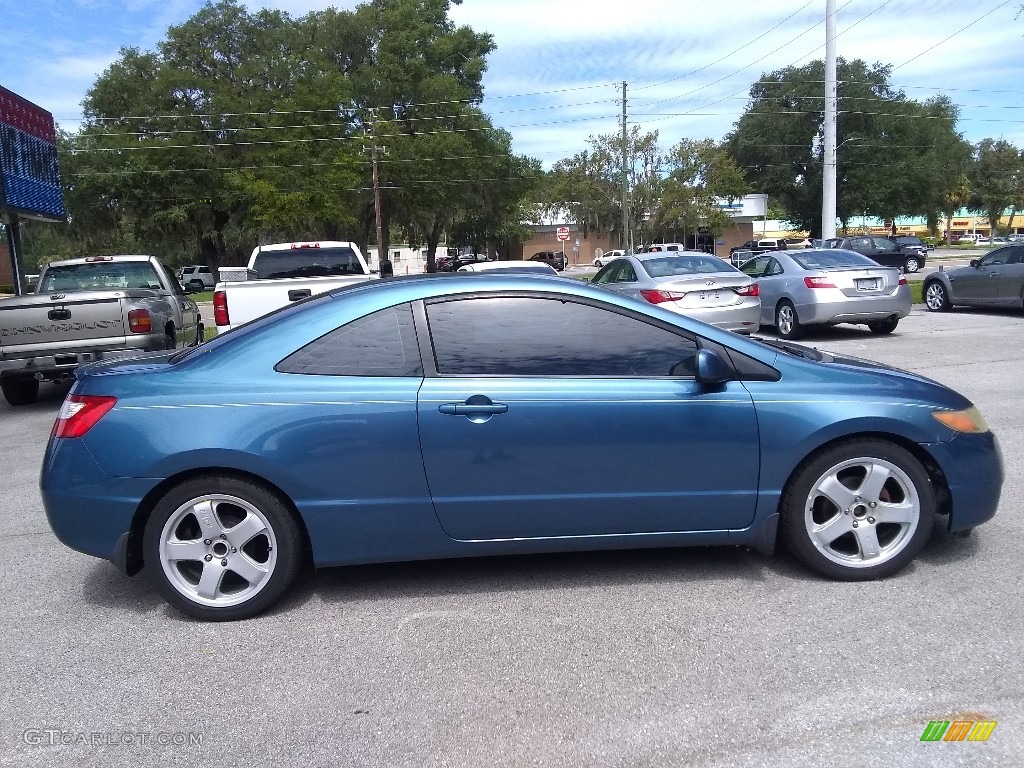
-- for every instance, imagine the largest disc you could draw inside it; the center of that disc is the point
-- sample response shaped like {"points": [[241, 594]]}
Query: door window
{"points": [[528, 336], [997, 257]]}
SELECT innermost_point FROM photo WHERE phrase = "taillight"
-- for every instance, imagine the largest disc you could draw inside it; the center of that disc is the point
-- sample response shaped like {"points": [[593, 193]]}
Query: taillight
{"points": [[79, 413], [139, 321], [657, 297], [748, 290], [903, 281], [818, 282], [220, 308]]}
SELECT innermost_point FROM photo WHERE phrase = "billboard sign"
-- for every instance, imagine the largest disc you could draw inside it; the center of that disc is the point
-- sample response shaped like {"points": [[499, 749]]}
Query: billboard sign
{"points": [[29, 176]]}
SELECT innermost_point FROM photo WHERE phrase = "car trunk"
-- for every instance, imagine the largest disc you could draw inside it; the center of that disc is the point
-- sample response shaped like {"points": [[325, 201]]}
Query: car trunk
{"points": [[35, 325], [706, 290], [870, 281]]}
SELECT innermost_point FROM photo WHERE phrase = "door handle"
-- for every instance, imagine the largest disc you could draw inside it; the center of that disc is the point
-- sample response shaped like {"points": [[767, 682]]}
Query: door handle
{"points": [[299, 293], [464, 409]]}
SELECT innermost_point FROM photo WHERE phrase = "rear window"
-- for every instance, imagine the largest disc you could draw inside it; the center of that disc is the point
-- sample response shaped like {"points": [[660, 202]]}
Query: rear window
{"points": [[831, 259], [672, 266], [307, 262], [99, 276]]}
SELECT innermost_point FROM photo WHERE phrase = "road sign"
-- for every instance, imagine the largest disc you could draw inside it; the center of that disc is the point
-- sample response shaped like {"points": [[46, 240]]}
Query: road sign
{"points": [[562, 233]]}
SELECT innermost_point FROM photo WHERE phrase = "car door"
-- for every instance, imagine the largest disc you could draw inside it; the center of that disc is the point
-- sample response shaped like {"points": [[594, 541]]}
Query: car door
{"points": [[531, 394], [1011, 283], [980, 284], [886, 252], [769, 285], [619, 276]]}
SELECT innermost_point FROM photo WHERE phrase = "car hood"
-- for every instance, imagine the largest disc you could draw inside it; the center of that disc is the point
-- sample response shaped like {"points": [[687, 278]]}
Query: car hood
{"points": [[899, 377]]}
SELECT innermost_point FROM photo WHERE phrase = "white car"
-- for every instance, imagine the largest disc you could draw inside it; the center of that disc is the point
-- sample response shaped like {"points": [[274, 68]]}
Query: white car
{"points": [[604, 258], [538, 267], [196, 278], [967, 238]]}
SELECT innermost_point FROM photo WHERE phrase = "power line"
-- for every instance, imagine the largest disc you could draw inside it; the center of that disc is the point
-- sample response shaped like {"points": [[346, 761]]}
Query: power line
{"points": [[962, 29]]}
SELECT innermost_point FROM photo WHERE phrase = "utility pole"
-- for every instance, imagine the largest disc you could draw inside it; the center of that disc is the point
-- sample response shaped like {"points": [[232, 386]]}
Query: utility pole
{"points": [[829, 151], [625, 178], [381, 245]]}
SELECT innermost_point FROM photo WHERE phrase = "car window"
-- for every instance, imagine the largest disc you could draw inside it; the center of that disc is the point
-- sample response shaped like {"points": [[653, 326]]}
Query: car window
{"points": [[526, 336], [1017, 256], [884, 244], [997, 257], [307, 262], [380, 344], [98, 276], [773, 268], [755, 267], [672, 266], [604, 274], [832, 258]]}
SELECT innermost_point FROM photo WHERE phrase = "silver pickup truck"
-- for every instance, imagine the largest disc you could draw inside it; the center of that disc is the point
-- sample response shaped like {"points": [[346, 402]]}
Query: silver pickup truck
{"points": [[91, 309]]}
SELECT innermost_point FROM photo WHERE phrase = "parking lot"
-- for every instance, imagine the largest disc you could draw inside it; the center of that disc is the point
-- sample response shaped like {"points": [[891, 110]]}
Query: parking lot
{"points": [[711, 657]]}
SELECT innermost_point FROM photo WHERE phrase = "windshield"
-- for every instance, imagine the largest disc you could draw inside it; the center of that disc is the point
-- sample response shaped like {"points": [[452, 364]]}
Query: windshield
{"points": [[99, 276], [832, 259], [307, 262], [681, 266]]}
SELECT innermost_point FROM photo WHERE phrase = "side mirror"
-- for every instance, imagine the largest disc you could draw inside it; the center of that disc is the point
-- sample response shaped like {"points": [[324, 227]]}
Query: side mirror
{"points": [[712, 369], [975, 262]]}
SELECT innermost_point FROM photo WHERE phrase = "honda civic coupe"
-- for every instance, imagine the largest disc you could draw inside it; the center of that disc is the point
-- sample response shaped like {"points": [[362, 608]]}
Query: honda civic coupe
{"points": [[414, 418]]}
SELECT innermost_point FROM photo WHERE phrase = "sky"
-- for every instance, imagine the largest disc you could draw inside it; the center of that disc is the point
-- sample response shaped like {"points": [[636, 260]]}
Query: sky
{"points": [[556, 75]]}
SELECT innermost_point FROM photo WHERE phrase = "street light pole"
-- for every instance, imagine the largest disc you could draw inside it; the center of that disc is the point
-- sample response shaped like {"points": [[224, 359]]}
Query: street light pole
{"points": [[829, 152]]}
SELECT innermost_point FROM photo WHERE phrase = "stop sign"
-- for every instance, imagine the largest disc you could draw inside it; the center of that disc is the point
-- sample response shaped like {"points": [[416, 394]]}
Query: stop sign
{"points": [[563, 233]]}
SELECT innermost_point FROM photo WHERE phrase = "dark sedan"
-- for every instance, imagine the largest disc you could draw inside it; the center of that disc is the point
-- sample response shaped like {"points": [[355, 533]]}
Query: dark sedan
{"points": [[417, 417], [884, 251], [994, 280]]}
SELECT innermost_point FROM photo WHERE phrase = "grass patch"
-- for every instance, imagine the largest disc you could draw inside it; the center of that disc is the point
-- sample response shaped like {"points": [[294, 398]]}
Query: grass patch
{"points": [[917, 291], [209, 333], [201, 296]]}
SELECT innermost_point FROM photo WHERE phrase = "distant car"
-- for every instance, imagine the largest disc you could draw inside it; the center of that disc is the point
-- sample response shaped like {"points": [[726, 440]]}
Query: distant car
{"points": [[691, 283], [604, 258], [797, 243], [910, 243], [1015, 238], [994, 280], [981, 240], [536, 267], [554, 259], [882, 250], [999, 241], [967, 238], [662, 247], [195, 278], [763, 245], [453, 264], [827, 287]]}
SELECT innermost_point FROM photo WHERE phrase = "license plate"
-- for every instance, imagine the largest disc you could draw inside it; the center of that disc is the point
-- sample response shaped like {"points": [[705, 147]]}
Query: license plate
{"points": [[871, 284], [709, 295]]}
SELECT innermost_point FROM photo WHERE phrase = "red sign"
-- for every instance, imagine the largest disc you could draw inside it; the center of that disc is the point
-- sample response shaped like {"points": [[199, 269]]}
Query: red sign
{"points": [[26, 116], [562, 233]]}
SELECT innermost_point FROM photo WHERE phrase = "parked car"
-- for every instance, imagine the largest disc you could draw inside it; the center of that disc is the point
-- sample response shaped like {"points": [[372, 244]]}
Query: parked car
{"points": [[89, 309], [797, 243], [692, 283], [1015, 238], [911, 243], [827, 287], [999, 241], [195, 278], [483, 409], [604, 258], [883, 250], [554, 259], [663, 247], [534, 267], [996, 279], [456, 262], [763, 245], [968, 238], [981, 240]]}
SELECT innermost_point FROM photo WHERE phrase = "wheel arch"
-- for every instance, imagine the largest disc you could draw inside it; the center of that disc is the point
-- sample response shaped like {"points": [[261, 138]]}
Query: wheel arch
{"points": [[132, 557]]}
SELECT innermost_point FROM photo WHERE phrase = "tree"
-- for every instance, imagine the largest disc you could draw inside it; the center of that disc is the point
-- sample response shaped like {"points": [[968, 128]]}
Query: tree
{"points": [[996, 179], [701, 173]]}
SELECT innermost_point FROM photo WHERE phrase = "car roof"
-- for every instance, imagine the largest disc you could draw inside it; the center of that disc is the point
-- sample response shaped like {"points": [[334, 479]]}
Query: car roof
{"points": [[649, 255], [106, 259]]}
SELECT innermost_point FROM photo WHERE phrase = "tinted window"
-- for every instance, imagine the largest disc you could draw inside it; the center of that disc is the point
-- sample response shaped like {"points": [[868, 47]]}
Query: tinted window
{"points": [[884, 244], [1000, 256], [550, 337], [379, 344], [99, 276], [307, 262], [774, 268], [832, 258], [671, 266], [755, 267]]}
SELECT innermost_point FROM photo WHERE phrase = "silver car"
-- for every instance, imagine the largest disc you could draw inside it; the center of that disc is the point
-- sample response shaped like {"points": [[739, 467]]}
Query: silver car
{"points": [[994, 280], [827, 287], [692, 283]]}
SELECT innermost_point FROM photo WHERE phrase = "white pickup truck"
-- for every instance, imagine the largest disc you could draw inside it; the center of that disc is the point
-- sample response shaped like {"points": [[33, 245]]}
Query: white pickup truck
{"points": [[282, 273]]}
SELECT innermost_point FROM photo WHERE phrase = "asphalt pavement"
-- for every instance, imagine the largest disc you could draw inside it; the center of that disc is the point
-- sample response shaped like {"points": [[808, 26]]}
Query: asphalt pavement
{"points": [[698, 657]]}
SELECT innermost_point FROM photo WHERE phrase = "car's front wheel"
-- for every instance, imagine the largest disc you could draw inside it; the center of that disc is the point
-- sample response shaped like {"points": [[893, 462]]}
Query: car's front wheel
{"points": [[859, 510], [935, 297], [222, 548], [786, 321]]}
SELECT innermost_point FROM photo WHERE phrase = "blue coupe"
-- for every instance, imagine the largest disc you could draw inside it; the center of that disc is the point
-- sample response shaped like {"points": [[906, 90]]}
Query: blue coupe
{"points": [[450, 416]]}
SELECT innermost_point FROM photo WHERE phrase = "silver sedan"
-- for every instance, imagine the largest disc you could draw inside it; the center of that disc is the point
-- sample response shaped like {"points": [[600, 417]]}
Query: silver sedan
{"points": [[692, 283], [827, 287]]}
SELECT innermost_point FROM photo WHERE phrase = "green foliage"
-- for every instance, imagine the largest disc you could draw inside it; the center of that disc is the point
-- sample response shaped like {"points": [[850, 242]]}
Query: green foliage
{"points": [[996, 179]]}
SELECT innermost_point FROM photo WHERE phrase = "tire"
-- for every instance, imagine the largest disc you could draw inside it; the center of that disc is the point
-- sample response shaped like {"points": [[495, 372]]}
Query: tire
{"points": [[787, 324], [883, 327], [912, 264], [20, 390], [598, 264], [196, 286], [861, 509], [249, 528], [935, 297], [200, 334], [170, 340]]}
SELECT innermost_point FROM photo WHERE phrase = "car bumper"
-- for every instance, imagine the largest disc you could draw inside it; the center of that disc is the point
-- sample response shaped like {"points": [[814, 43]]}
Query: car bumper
{"points": [[973, 467], [740, 318], [87, 509], [62, 364], [856, 310]]}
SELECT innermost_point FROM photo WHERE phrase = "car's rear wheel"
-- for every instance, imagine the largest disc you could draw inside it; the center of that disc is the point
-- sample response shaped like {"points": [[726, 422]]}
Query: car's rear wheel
{"points": [[882, 327], [598, 264], [786, 321], [912, 264], [862, 509], [222, 548], [20, 390], [935, 297]]}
